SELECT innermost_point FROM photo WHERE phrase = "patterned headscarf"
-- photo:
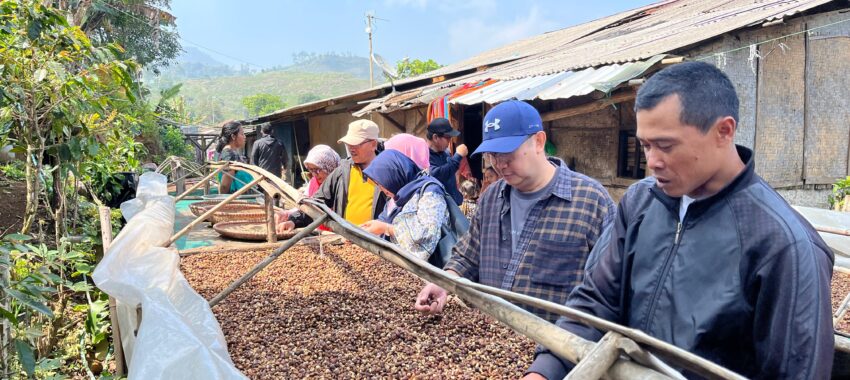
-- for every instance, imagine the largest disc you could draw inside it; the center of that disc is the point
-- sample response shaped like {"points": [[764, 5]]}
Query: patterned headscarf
{"points": [[324, 157]]}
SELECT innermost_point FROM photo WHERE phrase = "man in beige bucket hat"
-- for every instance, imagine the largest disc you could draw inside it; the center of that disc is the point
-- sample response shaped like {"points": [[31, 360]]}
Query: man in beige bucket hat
{"points": [[345, 190]]}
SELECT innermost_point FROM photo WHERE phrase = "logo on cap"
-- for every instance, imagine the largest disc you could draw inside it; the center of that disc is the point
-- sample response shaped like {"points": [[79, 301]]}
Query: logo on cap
{"points": [[492, 124]]}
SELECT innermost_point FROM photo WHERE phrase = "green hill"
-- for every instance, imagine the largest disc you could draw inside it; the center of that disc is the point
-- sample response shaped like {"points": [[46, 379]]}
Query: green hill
{"points": [[217, 99], [213, 91]]}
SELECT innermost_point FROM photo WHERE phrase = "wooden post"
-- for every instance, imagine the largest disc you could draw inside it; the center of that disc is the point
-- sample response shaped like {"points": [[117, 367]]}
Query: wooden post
{"points": [[211, 211], [268, 260], [177, 172], [271, 234], [106, 237], [207, 179]]}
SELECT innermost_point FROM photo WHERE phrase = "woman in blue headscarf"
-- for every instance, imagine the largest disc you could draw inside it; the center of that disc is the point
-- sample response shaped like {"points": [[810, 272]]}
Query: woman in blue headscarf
{"points": [[419, 210]]}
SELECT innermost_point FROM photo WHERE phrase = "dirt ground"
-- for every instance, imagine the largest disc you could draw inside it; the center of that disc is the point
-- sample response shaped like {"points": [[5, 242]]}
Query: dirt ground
{"points": [[13, 200]]}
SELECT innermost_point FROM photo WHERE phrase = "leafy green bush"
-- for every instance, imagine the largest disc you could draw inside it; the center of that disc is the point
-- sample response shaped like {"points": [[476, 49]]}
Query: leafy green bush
{"points": [[14, 170], [840, 190]]}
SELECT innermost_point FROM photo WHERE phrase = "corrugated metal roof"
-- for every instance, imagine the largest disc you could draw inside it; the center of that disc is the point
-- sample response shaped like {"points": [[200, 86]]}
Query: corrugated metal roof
{"points": [[637, 35], [559, 86], [661, 28]]}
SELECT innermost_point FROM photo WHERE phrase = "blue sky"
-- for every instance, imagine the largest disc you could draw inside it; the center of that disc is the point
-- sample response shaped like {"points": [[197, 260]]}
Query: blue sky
{"points": [[267, 32]]}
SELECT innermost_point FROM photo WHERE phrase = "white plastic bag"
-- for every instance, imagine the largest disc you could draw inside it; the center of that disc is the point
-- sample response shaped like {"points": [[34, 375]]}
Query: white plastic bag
{"points": [[179, 337]]}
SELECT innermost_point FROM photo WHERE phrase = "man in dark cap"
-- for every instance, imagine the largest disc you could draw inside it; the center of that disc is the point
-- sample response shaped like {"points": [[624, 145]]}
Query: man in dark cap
{"points": [[444, 165]]}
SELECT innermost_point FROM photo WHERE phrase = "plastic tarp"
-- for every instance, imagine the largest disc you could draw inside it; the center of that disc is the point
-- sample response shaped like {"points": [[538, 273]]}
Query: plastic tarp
{"points": [[179, 338]]}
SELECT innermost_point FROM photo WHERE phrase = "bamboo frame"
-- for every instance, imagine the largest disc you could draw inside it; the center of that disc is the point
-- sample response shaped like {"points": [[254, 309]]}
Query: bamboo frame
{"points": [[211, 211], [106, 236], [200, 183]]}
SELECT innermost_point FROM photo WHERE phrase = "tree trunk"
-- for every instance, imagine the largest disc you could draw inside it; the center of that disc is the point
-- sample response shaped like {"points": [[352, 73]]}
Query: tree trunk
{"points": [[31, 210]]}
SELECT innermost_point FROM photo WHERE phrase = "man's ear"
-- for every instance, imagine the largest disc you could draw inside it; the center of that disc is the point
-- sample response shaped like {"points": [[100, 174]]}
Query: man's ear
{"points": [[540, 142], [724, 130]]}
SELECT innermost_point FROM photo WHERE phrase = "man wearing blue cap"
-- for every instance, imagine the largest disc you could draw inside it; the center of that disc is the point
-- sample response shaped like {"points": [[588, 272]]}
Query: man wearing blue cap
{"points": [[535, 227]]}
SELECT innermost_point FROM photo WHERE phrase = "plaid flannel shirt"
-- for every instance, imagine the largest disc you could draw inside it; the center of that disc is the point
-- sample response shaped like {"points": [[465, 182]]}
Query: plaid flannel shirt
{"points": [[556, 239]]}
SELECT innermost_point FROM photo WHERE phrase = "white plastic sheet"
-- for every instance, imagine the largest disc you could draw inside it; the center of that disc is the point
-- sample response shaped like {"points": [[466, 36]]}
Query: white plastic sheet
{"points": [[179, 338]]}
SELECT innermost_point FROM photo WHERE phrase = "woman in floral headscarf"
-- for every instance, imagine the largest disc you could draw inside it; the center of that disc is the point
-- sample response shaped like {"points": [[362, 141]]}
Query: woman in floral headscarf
{"points": [[321, 161]]}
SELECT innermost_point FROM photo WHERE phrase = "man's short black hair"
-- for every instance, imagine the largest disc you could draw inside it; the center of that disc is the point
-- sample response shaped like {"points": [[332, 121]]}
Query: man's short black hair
{"points": [[266, 128], [705, 92]]}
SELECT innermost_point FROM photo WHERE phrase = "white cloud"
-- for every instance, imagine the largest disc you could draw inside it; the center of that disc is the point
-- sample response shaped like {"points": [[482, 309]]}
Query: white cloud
{"points": [[468, 36]]}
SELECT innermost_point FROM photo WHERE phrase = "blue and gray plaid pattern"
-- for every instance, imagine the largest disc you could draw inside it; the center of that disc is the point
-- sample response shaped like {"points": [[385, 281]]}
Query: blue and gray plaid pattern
{"points": [[554, 244]]}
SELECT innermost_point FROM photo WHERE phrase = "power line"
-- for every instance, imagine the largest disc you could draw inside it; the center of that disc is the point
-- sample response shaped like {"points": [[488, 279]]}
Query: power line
{"points": [[145, 22], [723, 53]]}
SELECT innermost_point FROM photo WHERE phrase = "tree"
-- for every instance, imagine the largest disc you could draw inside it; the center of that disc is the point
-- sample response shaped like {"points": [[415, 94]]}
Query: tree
{"points": [[407, 68], [262, 104], [71, 109], [61, 96], [145, 28]]}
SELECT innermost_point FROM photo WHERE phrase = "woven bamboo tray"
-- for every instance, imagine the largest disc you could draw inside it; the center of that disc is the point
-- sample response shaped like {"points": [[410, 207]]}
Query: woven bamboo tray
{"points": [[254, 231], [240, 213], [201, 207]]}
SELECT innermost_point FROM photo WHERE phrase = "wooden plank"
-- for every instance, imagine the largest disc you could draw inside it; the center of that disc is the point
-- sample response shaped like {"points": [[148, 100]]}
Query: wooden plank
{"points": [[390, 120], [106, 237], [780, 111], [588, 108]]}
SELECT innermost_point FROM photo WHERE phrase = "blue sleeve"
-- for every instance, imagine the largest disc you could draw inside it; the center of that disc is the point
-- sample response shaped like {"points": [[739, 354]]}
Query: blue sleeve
{"points": [[445, 171]]}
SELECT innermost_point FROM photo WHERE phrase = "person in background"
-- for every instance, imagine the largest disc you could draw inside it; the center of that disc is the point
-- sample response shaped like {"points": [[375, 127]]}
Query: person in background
{"points": [[444, 166], [345, 190], [415, 148], [490, 177], [231, 141], [470, 198], [269, 153], [420, 210]]}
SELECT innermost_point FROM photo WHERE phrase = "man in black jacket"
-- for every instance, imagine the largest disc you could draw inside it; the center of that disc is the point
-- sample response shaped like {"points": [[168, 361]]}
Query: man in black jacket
{"points": [[269, 153], [706, 255], [444, 165]]}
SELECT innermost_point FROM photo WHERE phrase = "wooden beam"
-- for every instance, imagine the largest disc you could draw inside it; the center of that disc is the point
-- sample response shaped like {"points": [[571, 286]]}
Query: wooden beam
{"points": [[106, 239], [392, 121], [590, 107]]}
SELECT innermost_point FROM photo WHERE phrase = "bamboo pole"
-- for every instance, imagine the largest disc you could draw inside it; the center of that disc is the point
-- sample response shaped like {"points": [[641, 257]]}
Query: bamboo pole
{"points": [[839, 314], [106, 237], [598, 360], [212, 210], [842, 343], [268, 260], [271, 235], [200, 183]]}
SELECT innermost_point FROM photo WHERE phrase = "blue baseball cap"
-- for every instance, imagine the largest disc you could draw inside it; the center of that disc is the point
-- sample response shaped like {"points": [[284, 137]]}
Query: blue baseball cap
{"points": [[507, 126]]}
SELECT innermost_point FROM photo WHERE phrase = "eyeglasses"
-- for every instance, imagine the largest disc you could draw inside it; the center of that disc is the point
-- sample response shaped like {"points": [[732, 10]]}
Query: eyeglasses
{"points": [[314, 171], [358, 146], [505, 158]]}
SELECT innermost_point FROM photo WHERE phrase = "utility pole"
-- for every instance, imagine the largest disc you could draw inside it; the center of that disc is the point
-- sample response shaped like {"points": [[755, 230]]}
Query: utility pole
{"points": [[369, 17]]}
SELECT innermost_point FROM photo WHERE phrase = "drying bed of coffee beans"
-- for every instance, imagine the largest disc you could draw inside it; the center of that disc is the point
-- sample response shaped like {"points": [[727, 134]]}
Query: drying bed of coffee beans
{"points": [[840, 288], [347, 314]]}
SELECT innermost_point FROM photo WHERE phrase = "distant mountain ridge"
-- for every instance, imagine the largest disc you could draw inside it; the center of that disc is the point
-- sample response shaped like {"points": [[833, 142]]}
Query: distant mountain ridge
{"points": [[214, 90]]}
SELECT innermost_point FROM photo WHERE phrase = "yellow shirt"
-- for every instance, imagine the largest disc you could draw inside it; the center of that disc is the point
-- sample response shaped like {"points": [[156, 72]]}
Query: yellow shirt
{"points": [[358, 210]]}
